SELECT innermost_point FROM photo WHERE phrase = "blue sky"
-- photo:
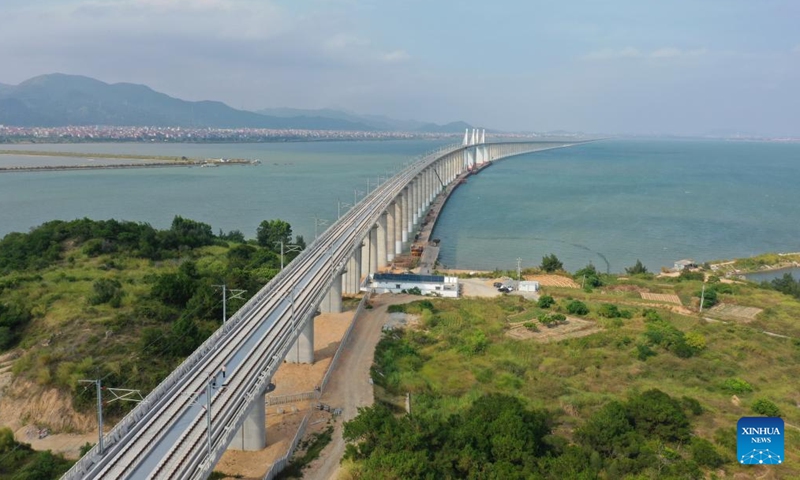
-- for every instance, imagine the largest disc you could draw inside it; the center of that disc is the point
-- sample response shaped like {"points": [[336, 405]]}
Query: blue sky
{"points": [[678, 67]]}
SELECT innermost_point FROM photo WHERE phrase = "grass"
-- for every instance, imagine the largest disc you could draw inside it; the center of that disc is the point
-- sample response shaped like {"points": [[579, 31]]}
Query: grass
{"points": [[576, 376], [69, 339]]}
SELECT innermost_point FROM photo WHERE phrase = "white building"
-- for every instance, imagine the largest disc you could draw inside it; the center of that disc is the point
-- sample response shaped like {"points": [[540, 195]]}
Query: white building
{"points": [[427, 284], [528, 286]]}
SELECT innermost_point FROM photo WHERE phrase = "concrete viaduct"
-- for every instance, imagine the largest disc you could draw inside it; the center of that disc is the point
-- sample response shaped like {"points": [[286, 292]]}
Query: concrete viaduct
{"points": [[215, 399]]}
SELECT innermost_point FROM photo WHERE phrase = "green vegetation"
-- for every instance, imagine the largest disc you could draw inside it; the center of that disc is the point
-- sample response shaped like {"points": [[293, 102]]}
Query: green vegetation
{"points": [[551, 263], [545, 301], [120, 301], [765, 407], [588, 277], [637, 269], [655, 395], [19, 462], [786, 285]]}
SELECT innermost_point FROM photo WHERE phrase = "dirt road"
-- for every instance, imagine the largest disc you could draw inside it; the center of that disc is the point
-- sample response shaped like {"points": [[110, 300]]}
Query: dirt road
{"points": [[349, 387]]}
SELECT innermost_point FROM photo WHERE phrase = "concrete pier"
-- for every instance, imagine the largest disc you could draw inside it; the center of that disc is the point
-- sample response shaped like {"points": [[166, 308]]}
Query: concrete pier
{"points": [[252, 435], [303, 349]]}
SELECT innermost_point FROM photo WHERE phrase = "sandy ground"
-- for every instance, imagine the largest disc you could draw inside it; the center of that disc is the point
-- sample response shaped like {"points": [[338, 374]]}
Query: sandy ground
{"points": [[478, 287], [350, 385]]}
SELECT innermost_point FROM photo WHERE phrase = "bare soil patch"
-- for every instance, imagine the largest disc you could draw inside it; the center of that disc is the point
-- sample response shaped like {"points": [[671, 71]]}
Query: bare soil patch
{"points": [[735, 312], [572, 328], [661, 297], [553, 281]]}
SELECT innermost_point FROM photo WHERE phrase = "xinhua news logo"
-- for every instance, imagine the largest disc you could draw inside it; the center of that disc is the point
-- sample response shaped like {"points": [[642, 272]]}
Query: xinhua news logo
{"points": [[760, 441]]}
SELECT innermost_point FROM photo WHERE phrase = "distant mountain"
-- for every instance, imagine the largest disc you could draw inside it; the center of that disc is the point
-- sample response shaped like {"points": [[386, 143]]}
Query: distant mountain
{"points": [[376, 122], [452, 127], [61, 100]]}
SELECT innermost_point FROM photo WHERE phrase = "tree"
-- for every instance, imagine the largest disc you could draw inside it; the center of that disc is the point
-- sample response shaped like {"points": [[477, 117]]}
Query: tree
{"points": [[576, 307], [551, 263], [545, 301], [654, 413], [271, 233], [589, 276], [637, 269]]}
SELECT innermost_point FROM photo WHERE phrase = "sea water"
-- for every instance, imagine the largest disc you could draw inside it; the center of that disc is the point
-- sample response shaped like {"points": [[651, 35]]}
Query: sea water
{"points": [[609, 202]]}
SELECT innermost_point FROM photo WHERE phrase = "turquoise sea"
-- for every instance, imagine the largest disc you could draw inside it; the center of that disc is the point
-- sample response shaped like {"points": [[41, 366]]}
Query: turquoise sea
{"points": [[616, 201], [608, 202]]}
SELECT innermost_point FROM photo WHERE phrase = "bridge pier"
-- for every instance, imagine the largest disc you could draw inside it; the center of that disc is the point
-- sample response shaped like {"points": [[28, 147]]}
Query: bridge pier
{"points": [[354, 272], [398, 226], [252, 435], [332, 301], [373, 250], [365, 262], [303, 349], [381, 259], [404, 222], [391, 223]]}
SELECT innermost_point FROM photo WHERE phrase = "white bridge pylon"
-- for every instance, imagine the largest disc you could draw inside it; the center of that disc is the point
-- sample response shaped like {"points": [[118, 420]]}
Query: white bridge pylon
{"points": [[476, 153]]}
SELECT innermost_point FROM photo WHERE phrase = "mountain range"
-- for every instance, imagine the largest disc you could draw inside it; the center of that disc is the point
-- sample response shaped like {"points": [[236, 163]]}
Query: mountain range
{"points": [[55, 100]]}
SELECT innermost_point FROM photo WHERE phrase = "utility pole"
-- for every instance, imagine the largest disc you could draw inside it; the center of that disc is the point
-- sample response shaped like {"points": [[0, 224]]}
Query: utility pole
{"points": [[702, 296], [519, 269], [122, 394], [339, 206], [317, 222], [236, 294], [289, 249], [97, 383]]}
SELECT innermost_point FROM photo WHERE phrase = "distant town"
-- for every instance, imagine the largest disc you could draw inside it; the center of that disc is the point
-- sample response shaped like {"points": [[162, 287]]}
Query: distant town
{"points": [[12, 134]]}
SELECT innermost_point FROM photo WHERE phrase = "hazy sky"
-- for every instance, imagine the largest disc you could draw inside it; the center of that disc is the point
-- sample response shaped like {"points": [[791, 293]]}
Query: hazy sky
{"points": [[616, 66]]}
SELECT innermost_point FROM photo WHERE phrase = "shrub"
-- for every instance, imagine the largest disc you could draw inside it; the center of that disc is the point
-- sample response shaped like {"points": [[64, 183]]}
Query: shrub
{"points": [[737, 386], [589, 276], [704, 453], [765, 407], [687, 275], [643, 352], [106, 291], [530, 326], [608, 310], [576, 307], [692, 405], [696, 341], [545, 301]]}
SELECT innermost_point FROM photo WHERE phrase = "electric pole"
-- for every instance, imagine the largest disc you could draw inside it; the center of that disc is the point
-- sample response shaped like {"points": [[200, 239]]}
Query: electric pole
{"points": [[288, 249], [122, 394], [519, 269], [702, 296], [236, 294]]}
